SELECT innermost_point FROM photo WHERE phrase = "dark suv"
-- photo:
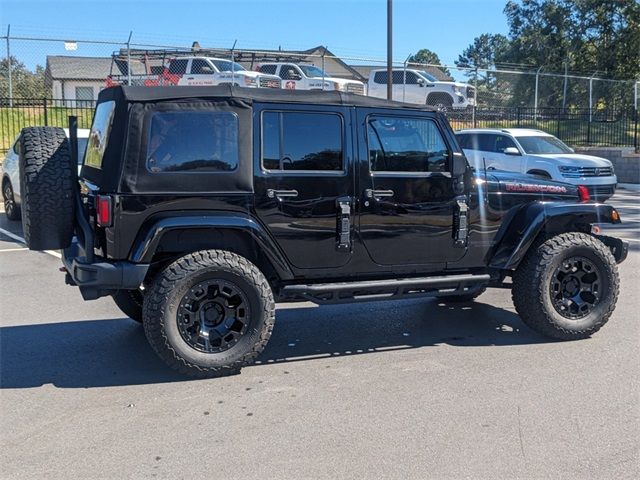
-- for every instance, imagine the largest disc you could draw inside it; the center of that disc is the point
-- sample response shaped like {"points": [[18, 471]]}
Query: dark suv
{"points": [[198, 208]]}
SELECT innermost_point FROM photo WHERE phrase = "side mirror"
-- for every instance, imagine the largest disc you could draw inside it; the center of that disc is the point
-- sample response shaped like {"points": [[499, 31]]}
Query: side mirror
{"points": [[458, 164], [421, 82], [511, 151], [206, 69]]}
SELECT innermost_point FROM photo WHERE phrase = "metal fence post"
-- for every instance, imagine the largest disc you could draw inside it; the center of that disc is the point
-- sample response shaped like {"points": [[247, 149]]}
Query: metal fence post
{"points": [[129, 58], [44, 105], [9, 66], [518, 112], [636, 140], [535, 98]]}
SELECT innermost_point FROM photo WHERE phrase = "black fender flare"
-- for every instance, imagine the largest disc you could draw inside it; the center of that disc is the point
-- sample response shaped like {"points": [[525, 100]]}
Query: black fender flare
{"points": [[151, 235], [516, 236]]}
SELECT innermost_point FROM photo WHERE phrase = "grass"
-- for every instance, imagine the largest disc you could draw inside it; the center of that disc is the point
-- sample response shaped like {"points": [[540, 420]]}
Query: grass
{"points": [[13, 120]]}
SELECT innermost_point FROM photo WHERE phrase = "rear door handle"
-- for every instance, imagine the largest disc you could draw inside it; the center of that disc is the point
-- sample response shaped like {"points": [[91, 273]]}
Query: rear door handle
{"points": [[370, 193], [271, 193]]}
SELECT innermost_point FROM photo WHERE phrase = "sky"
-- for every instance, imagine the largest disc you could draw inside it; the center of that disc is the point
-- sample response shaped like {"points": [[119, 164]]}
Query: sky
{"points": [[353, 28]]}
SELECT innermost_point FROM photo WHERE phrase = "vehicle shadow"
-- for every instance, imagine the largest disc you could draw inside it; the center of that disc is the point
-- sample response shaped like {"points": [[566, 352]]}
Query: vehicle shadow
{"points": [[100, 353]]}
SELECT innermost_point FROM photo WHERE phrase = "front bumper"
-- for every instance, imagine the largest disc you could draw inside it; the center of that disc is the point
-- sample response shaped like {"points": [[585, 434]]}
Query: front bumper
{"points": [[619, 248], [100, 278]]}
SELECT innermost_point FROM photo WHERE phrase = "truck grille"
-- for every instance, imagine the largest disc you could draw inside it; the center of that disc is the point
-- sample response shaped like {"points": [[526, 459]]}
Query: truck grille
{"points": [[600, 190], [355, 88], [589, 172], [267, 82]]}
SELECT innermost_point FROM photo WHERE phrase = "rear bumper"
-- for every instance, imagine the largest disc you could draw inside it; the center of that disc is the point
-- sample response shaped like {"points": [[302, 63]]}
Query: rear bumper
{"points": [[101, 278]]}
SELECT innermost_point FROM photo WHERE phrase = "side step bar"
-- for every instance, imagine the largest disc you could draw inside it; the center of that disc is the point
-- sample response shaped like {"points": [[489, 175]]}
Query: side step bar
{"points": [[348, 292]]}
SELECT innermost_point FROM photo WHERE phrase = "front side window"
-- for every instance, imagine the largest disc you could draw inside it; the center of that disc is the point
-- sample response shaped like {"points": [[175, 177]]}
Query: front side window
{"points": [[312, 71], [190, 141], [502, 142], [289, 72], [405, 145], [200, 66], [99, 134], [302, 141]]}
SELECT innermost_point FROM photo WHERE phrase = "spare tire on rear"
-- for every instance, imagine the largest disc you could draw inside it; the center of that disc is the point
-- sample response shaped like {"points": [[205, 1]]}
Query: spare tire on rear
{"points": [[47, 188]]}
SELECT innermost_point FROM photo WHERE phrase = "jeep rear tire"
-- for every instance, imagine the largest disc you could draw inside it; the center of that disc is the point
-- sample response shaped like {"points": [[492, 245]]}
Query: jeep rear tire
{"points": [[209, 313], [130, 303], [567, 286], [46, 186]]}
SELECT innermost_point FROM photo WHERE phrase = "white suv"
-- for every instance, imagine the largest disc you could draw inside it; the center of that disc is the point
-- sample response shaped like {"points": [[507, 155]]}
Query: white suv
{"points": [[214, 71], [309, 77], [418, 86], [537, 153]]}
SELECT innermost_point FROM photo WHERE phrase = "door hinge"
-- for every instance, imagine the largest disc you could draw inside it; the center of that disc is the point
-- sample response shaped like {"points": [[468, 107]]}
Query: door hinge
{"points": [[344, 225], [461, 223]]}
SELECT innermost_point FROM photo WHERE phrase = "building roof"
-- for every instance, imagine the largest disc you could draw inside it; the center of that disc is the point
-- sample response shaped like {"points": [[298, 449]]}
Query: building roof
{"points": [[364, 71], [66, 67]]}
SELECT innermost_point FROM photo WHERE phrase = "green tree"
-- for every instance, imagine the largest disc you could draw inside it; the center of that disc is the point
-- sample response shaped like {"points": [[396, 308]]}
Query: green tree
{"points": [[426, 56], [485, 51], [25, 83]]}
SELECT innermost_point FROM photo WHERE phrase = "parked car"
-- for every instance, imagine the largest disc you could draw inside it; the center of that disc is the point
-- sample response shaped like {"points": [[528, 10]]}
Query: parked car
{"points": [[309, 77], [207, 71], [197, 232], [538, 153], [422, 88], [11, 174]]}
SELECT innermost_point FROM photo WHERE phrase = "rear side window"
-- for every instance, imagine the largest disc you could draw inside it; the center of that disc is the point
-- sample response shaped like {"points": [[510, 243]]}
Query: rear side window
{"points": [[200, 66], [502, 142], [269, 69], [192, 142], [405, 145], [293, 141], [99, 134], [178, 66]]}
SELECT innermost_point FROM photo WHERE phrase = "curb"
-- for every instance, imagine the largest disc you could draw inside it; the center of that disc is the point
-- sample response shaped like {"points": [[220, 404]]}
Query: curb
{"points": [[633, 187]]}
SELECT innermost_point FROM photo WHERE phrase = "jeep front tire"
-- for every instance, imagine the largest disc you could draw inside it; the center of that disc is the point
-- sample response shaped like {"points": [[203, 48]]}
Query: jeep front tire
{"points": [[567, 286], [209, 313]]}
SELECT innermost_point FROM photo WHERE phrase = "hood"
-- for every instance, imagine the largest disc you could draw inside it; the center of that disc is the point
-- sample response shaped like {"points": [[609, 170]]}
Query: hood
{"points": [[342, 81], [575, 159], [251, 74], [532, 187]]}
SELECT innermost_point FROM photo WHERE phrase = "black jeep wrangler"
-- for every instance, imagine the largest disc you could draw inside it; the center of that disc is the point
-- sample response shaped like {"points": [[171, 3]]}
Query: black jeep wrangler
{"points": [[198, 208]]}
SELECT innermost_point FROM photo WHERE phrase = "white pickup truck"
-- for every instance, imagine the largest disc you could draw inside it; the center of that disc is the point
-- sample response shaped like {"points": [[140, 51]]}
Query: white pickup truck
{"points": [[309, 77], [422, 88], [214, 71]]}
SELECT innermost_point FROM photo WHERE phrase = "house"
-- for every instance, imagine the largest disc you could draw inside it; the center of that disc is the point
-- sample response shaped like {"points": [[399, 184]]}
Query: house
{"points": [[76, 79]]}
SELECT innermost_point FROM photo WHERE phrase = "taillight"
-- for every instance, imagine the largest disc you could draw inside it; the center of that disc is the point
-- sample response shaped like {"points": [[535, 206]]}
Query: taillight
{"points": [[583, 192], [104, 211]]}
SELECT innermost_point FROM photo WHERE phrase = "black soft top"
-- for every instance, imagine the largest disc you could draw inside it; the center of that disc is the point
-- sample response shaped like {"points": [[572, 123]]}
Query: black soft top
{"points": [[250, 95]]}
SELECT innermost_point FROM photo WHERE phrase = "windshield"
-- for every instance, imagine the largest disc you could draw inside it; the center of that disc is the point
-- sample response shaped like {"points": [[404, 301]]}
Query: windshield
{"points": [[227, 66], [543, 145], [428, 76], [312, 71], [99, 134]]}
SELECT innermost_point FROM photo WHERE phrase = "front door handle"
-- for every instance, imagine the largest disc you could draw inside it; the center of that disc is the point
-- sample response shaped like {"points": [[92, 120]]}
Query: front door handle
{"points": [[271, 193], [370, 193]]}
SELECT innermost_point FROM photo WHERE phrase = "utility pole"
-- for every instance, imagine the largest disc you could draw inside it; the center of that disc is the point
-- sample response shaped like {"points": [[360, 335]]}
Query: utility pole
{"points": [[129, 58], [389, 50]]}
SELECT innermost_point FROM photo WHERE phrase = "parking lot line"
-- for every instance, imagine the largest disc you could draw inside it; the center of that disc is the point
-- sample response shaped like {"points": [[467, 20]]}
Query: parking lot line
{"points": [[17, 238], [13, 249]]}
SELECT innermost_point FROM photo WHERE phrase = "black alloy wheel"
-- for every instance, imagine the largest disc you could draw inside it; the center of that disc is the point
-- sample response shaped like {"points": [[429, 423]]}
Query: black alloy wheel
{"points": [[213, 315], [575, 288]]}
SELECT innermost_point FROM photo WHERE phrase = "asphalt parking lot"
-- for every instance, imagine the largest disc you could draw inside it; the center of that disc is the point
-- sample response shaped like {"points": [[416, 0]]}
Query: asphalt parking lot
{"points": [[412, 389]]}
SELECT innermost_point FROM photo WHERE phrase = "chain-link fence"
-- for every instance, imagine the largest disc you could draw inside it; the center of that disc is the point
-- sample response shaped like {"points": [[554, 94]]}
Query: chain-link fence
{"points": [[42, 80]]}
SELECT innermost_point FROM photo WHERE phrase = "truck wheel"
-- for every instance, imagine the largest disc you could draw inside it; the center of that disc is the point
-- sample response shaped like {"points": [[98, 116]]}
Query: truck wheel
{"points": [[567, 286], [46, 185], [209, 313], [442, 101], [465, 298], [11, 209], [130, 303]]}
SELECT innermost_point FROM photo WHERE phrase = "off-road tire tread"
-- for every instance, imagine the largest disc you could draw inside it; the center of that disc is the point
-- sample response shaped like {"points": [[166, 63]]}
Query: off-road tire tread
{"points": [[46, 181], [165, 281], [528, 276]]}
